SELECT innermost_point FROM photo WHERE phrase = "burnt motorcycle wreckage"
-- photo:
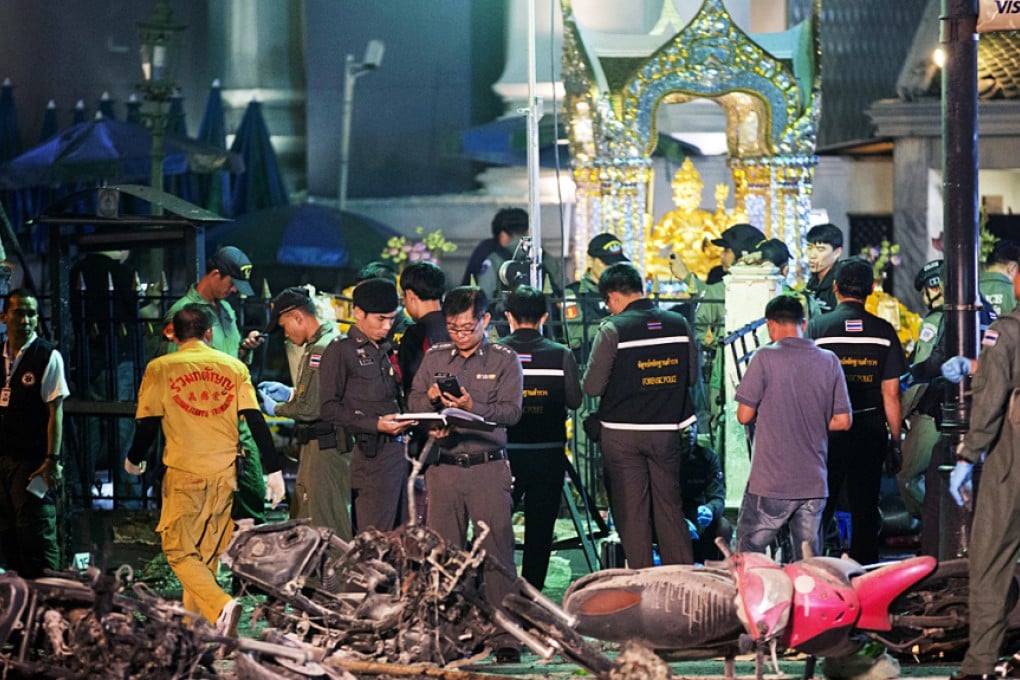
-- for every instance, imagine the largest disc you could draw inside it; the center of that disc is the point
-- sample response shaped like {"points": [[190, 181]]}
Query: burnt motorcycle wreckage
{"points": [[399, 597], [85, 625]]}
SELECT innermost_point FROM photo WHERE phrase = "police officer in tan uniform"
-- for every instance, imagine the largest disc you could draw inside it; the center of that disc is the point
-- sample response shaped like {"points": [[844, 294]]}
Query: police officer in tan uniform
{"points": [[322, 490], [471, 479]]}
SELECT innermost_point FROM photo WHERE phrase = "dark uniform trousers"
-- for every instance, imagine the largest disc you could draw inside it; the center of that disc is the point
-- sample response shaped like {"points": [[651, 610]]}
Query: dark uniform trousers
{"points": [[645, 471], [484, 492], [855, 460], [28, 533], [538, 481], [378, 482], [870, 353]]}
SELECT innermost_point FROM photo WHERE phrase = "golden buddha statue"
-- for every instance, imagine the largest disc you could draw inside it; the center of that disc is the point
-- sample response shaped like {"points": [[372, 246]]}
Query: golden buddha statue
{"points": [[687, 230]]}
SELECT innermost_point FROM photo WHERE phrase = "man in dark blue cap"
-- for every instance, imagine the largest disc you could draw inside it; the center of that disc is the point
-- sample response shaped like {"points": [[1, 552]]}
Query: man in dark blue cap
{"points": [[322, 490]]}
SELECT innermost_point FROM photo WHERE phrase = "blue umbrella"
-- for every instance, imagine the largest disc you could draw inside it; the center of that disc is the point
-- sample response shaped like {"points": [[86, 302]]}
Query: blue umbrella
{"points": [[306, 242], [50, 127], [106, 106], [261, 185], [214, 188], [106, 150]]}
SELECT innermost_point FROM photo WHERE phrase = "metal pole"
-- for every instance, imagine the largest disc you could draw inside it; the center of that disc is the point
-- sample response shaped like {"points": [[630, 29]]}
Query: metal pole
{"points": [[159, 122], [960, 212], [534, 115], [345, 130]]}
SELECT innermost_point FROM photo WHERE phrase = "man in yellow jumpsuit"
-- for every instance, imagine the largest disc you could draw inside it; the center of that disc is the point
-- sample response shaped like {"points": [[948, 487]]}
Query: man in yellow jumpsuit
{"points": [[197, 394]]}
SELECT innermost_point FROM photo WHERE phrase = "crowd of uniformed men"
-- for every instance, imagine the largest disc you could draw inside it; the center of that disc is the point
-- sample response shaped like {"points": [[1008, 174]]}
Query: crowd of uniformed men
{"points": [[417, 347]]}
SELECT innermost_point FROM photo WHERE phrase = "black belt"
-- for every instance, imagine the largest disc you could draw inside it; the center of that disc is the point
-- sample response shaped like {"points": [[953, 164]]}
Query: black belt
{"points": [[471, 459]]}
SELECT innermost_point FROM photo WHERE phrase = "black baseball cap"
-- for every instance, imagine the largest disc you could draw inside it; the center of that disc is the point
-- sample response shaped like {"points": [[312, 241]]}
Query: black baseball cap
{"points": [[775, 251], [285, 301], [607, 248], [740, 238], [232, 262]]}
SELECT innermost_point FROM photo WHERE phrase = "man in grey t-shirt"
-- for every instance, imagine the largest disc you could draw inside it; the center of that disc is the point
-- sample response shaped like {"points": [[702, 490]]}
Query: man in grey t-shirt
{"points": [[795, 393]]}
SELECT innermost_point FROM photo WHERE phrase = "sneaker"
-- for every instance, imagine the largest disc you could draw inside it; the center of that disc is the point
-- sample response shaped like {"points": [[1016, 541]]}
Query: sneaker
{"points": [[226, 622]]}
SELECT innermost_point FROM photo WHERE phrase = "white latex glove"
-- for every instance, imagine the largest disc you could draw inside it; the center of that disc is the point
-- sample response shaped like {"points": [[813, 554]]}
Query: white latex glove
{"points": [[275, 489], [960, 482], [133, 469]]}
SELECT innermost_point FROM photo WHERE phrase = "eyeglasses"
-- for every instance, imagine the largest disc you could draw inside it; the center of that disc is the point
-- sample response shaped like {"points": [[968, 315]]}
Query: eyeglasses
{"points": [[462, 330]]}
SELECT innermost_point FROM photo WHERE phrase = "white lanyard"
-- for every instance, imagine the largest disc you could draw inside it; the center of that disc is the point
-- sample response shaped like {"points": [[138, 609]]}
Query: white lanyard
{"points": [[12, 365]]}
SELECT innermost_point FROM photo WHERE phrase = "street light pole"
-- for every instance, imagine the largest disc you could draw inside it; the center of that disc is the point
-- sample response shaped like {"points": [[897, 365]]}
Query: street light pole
{"points": [[958, 35], [158, 39], [534, 116], [352, 71]]}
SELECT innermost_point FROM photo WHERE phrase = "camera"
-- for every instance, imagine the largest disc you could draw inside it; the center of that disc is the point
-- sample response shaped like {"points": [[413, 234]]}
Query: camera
{"points": [[517, 271]]}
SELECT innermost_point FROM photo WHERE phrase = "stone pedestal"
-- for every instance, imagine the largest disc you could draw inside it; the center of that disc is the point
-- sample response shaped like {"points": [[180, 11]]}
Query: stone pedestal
{"points": [[748, 290]]}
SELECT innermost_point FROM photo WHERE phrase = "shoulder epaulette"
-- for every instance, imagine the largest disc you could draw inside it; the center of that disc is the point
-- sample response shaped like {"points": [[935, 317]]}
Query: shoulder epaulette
{"points": [[440, 346], [500, 347]]}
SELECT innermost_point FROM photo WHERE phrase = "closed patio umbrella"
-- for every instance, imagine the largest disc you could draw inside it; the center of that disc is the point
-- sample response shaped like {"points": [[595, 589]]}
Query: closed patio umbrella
{"points": [[214, 188], [50, 126], [261, 184], [106, 106]]}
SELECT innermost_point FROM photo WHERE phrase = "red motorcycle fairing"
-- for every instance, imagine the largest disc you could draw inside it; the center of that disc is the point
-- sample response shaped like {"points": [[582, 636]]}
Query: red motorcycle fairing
{"points": [[764, 595], [678, 606], [825, 605], [878, 588]]}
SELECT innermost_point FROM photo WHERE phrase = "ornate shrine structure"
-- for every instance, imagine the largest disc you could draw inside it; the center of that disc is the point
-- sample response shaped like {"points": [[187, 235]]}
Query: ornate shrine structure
{"points": [[769, 85]]}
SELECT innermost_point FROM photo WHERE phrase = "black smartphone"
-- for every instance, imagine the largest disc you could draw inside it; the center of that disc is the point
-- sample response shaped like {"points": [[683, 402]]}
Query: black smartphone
{"points": [[450, 385]]}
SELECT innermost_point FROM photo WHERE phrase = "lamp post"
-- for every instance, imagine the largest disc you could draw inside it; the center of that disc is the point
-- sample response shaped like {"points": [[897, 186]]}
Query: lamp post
{"points": [[960, 212], [158, 39], [353, 70]]}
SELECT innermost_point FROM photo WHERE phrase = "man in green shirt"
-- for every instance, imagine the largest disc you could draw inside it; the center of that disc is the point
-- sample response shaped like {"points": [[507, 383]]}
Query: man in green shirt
{"points": [[996, 281]]}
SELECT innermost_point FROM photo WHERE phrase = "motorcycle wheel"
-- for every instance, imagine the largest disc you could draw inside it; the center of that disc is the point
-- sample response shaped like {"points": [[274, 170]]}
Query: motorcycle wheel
{"points": [[931, 619]]}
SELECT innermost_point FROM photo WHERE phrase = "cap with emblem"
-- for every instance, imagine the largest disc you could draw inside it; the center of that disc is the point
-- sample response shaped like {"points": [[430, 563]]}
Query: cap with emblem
{"points": [[376, 296], [930, 276], [232, 262], [607, 248], [285, 301]]}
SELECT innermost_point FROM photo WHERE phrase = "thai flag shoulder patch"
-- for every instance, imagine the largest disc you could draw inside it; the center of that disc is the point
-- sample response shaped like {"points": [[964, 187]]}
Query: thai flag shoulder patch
{"points": [[314, 360], [525, 358], [654, 325], [853, 326], [990, 338]]}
